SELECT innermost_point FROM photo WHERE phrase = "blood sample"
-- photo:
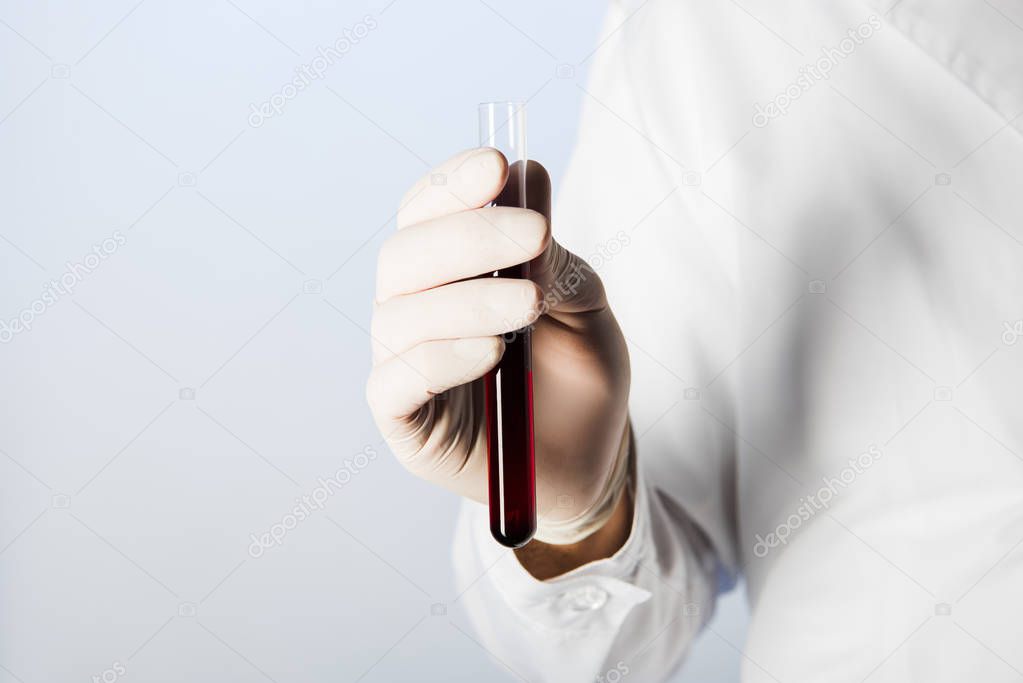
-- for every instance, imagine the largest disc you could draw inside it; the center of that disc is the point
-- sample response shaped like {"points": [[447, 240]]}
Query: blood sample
{"points": [[508, 388]]}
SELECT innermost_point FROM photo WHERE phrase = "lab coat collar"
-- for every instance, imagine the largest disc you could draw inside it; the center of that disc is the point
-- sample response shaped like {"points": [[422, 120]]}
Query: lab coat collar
{"points": [[980, 43]]}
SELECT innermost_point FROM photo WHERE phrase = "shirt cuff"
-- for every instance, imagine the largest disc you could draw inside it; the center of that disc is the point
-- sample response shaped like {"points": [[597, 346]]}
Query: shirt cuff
{"points": [[596, 596]]}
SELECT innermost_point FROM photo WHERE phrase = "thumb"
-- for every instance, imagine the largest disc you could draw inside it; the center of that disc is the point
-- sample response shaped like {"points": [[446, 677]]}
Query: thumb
{"points": [[568, 283]]}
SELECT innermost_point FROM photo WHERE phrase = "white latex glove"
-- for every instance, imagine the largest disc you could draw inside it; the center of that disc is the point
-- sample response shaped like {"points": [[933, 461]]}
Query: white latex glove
{"points": [[437, 330]]}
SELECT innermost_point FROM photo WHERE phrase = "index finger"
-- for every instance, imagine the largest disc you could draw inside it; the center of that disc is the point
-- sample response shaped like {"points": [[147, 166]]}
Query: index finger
{"points": [[465, 181]]}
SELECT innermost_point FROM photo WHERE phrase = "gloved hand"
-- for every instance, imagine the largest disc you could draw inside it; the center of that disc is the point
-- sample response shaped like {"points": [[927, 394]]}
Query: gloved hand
{"points": [[437, 330]]}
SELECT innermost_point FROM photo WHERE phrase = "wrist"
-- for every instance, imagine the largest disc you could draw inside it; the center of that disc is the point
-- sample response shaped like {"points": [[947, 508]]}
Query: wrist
{"points": [[594, 534], [547, 560]]}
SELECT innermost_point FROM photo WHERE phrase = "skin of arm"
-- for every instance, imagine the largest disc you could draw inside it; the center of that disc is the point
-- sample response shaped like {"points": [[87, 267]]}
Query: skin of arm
{"points": [[546, 561]]}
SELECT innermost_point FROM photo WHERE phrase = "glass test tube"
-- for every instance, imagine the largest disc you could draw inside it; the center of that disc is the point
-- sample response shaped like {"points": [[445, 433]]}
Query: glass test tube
{"points": [[508, 388]]}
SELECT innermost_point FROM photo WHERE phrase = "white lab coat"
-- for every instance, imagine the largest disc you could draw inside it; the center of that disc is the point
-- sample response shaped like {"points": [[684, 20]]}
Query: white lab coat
{"points": [[821, 299]]}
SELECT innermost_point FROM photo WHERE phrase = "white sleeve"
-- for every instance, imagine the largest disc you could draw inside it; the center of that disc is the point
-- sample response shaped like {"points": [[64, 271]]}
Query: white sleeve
{"points": [[633, 613]]}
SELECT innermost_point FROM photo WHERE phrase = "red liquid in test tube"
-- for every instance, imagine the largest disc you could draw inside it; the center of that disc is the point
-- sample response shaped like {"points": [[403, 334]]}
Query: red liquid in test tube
{"points": [[508, 388]]}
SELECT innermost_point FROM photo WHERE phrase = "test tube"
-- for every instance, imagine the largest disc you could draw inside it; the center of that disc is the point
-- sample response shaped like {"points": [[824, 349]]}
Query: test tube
{"points": [[508, 388]]}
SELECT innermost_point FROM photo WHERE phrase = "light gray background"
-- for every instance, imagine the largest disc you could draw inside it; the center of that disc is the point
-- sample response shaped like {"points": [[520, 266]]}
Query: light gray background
{"points": [[126, 505]]}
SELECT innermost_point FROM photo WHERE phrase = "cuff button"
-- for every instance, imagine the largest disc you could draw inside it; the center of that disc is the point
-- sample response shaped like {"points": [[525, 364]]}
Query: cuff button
{"points": [[583, 599]]}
